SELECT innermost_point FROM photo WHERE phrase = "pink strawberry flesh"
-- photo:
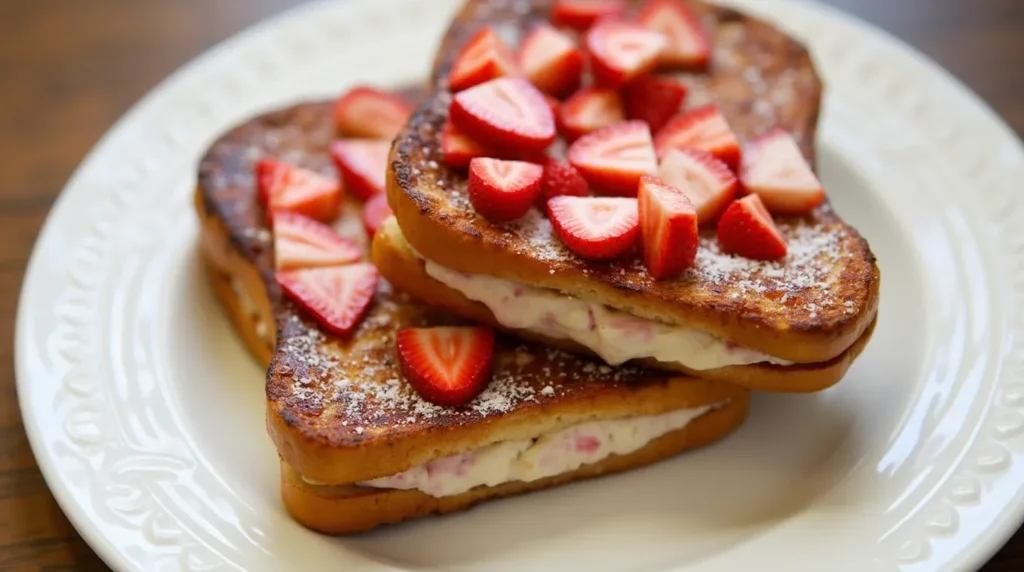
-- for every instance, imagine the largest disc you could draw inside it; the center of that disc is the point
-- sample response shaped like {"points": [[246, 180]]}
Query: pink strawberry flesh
{"points": [[285, 187], [621, 51], [668, 228], [503, 191], [484, 57], [582, 14], [447, 366], [367, 112], [688, 45], [747, 229], [551, 61], [588, 110], [301, 242], [775, 169], [458, 148], [337, 297], [375, 212], [596, 228], [614, 158], [706, 181], [505, 112], [704, 129], [363, 165]]}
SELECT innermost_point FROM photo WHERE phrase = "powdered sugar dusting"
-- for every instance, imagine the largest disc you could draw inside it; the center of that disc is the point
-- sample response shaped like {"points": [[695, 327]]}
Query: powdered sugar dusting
{"points": [[537, 237]]}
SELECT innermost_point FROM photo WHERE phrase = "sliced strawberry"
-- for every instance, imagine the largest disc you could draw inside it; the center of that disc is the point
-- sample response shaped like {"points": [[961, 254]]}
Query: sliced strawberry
{"points": [[375, 212], [484, 57], [775, 169], [367, 112], [363, 164], [704, 128], [614, 158], [446, 366], [582, 14], [668, 228], [550, 60], [337, 296], [284, 187], [458, 148], [502, 191], [621, 51], [596, 228], [560, 179], [706, 181], [554, 104], [301, 242], [588, 110], [747, 229], [688, 44], [505, 112], [654, 100]]}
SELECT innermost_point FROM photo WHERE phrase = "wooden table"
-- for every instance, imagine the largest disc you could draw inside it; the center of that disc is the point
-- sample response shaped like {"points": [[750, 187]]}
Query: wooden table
{"points": [[69, 68]]}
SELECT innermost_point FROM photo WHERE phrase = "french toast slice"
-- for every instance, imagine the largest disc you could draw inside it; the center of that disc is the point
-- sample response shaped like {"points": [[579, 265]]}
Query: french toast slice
{"points": [[814, 309], [338, 410]]}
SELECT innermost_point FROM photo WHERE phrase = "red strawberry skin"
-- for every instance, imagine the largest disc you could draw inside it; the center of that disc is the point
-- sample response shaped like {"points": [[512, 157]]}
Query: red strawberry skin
{"points": [[775, 169], [689, 46], [746, 229], [337, 297], [375, 212], [458, 148], [588, 238], [706, 181], [668, 228], [503, 191], [551, 61], [560, 179], [484, 114], [446, 366], [611, 67], [704, 129], [654, 100], [363, 164], [284, 187], [582, 14], [598, 156], [588, 110], [484, 57], [367, 112], [302, 242]]}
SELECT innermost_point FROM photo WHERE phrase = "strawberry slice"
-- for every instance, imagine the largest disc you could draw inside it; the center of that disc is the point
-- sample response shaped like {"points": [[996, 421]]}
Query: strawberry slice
{"points": [[446, 366], [551, 61], [668, 228], [375, 212], [337, 296], [654, 100], [363, 164], [747, 229], [595, 228], [560, 179], [367, 112], [582, 14], [621, 51], [588, 110], [301, 242], [505, 112], [614, 158], [775, 169], [704, 128], [706, 181], [484, 57], [502, 191], [284, 187], [459, 149], [688, 45]]}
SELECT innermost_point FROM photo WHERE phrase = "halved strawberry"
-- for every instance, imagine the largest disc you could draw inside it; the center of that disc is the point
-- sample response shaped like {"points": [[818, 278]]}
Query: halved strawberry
{"points": [[484, 57], [653, 99], [775, 169], [301, 242], [446, 366], [505, 112], [284, 187], [503, 190], [367, 112], [614, 158], [688, 43], [375, 212], [588, 110], [363, 164], [337, 296], [706, 181], [747, 229], [560, 179], [550, 60], [668, 227], [704, 128], [458, 148], [582, 14], [596, 228], [621, 51]]}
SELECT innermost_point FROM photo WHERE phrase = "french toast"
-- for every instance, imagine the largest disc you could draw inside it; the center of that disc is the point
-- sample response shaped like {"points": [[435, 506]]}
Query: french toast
{"points": [[801, 320], [338, 409]]}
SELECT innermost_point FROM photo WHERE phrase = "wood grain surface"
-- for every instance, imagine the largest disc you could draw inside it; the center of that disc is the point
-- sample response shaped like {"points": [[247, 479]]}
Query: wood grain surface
{"points": [[70, 68]]}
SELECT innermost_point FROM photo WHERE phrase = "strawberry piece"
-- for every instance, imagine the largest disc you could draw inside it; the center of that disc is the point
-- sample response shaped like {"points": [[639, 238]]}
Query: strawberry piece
{"points": [[688, 45], [595, 228], [654, 100], [775, 169], [621, 51], [484, 57], [582, 14], [446, 366], [363, 164], [502, 191], [551, 61], [588, 110], [505, 112], [375, 212], [301, 242], [747, 229], [337, 296], [284, 187], [458, 148], [614, 158], [560, 179], [366, 112], [706, 181], [704, 128], [668, 228]]}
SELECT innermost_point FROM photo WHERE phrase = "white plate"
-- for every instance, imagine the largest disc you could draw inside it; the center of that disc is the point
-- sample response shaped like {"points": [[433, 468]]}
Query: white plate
{"points": [[146, 415]]}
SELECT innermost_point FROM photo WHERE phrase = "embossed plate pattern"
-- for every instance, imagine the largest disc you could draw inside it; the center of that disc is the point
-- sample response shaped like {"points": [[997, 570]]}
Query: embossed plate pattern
{"points": [[146, 415]]}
